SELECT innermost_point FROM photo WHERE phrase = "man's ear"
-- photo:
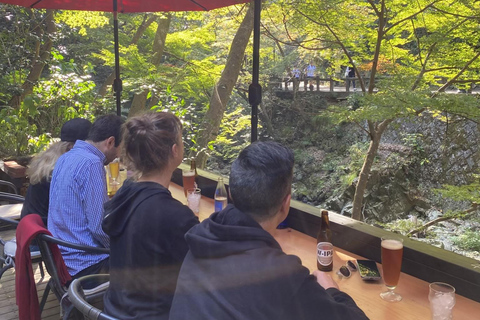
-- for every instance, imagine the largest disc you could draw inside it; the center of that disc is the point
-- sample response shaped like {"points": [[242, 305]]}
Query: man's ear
{"points": [[111, 142], [285, 205]]}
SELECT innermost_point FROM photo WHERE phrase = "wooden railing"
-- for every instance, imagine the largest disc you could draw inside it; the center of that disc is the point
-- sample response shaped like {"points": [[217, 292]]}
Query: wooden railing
{"points": [[329, 84], [319, 82], [420, 260]]}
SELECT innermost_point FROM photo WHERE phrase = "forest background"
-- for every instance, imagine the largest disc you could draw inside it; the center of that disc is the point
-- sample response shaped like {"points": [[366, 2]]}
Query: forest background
{"points": [[399, 153]]}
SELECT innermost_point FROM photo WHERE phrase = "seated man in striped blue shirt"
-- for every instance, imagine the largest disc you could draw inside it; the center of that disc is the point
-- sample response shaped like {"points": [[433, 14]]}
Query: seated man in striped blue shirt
{"points": [[77, 193]]}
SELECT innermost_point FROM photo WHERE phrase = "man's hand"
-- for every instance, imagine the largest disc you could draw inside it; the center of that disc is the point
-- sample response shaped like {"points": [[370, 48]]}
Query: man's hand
{"points": [[325, 280]]}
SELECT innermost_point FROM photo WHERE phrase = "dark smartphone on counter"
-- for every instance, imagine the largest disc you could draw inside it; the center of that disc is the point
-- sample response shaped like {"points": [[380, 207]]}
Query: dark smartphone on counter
{"points": [[368, 270]]}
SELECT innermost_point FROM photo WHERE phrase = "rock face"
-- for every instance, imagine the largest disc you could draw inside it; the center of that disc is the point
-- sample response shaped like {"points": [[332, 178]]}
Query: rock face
{"points": [[412, 161], [387, 198], [414, 158]]}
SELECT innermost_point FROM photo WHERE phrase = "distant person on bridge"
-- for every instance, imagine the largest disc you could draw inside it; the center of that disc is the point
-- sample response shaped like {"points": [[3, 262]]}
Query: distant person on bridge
{"points": [[296, 73], [350, 73], [310, 72]]}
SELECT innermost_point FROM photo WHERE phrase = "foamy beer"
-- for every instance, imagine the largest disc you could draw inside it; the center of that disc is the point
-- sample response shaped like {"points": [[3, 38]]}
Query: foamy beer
{"points": [[188, 180], [392, 252], [114, 169]]}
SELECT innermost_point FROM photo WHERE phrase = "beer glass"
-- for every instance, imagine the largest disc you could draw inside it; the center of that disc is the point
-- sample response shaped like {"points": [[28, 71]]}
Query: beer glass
{"points": [[188, 176], [392, 252], [113, 171]]}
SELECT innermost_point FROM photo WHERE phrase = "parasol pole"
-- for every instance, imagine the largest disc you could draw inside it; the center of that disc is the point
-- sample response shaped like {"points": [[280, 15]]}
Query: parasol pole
{"points": [[255, 89], [117, 83]]}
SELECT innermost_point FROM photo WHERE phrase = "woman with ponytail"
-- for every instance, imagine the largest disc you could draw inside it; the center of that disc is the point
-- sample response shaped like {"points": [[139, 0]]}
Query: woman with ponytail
{"points": [[146, 225]]}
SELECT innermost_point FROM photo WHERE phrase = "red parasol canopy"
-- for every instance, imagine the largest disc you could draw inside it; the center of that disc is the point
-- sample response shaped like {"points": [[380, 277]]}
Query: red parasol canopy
{"points": [[127, 5], [124, 6]]}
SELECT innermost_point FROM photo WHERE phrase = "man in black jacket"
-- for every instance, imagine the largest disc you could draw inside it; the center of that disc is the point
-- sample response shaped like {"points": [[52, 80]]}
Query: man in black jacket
{"points": [[235, 269]]}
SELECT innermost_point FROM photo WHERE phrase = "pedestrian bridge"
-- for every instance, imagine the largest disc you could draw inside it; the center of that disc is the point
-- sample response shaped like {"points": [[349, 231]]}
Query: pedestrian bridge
{"points": [[339, 88]]}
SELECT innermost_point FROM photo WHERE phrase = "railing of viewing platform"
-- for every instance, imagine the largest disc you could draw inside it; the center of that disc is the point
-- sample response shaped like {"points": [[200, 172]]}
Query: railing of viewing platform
{"points": [[333, 84], [330, 83], [420, 260]]}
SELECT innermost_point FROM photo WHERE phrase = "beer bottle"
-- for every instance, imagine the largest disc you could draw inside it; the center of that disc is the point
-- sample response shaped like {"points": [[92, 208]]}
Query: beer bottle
{"points": [[324, 245], [193, 166]]}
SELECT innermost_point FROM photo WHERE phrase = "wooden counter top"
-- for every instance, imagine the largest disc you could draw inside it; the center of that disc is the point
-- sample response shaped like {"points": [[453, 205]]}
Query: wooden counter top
{"points": [[414, 306]]}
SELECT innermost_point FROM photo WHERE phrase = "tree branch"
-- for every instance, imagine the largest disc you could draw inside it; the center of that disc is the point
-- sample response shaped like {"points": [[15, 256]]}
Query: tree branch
{"points": [[463, 214], [456, 14], [448, 83], [410, 16]]}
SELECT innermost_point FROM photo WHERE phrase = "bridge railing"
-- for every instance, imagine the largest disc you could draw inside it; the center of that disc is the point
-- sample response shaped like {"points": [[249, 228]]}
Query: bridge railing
{"points": [[330, 83], [319, 82]]}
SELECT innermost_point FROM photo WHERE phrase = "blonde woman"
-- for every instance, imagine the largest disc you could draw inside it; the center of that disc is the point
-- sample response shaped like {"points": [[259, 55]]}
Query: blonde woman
{"points": [[41, 168]]}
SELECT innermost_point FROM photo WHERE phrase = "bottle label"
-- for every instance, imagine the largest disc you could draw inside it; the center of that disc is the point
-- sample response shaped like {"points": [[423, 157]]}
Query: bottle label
{"points": [[324, 253], [218, 206], [220, 203]]}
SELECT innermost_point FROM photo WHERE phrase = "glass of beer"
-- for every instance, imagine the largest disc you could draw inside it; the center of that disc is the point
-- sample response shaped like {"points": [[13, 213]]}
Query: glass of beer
{"points": [[188, 176], [392, 252], [113, 171]]}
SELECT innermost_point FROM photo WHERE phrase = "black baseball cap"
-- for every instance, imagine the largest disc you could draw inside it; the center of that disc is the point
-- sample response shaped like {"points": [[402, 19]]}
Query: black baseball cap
{"points": [[75, 129]]}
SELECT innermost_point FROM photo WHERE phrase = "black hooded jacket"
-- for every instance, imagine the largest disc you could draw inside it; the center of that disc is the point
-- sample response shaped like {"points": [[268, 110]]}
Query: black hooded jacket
{"points": [[236, 270], [146, 227]]}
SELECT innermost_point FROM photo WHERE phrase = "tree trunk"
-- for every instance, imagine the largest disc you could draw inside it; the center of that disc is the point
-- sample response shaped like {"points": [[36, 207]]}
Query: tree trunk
{"points": [[138, 103], [102, 91], [160, 37], [41, 57], [106, 84], [208, 130], [140, 99], [376, 132]]}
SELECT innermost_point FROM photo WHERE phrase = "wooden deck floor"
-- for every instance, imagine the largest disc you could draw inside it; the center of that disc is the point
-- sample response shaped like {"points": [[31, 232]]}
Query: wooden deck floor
{"points": [[8, 306]]}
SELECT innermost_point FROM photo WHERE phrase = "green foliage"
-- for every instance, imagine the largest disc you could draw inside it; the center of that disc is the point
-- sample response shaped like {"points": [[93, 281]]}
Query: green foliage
{"points": [[17, 133], [402, 226], [169, 102], [414, 141], [348, 173], [66, 94], [470, 240], [233, 136], [82, 20], [470, 192], [188, 115]]}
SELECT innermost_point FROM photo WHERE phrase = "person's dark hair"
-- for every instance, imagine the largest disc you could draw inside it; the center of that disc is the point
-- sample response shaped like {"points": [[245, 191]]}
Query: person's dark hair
{"points": [[75, 129], [105, 127], [261, 178], [148, 140]]}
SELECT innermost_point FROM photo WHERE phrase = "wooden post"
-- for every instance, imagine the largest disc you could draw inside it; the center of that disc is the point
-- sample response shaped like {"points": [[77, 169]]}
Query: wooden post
{"points": [[331, 85], [318, 83], [347, 85]]}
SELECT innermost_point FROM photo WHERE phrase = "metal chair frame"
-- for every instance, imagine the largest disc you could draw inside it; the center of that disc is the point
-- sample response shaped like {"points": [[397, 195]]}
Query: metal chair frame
{"points": [[76, 295], [10, 185], [7, 261], [54, 283]]}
